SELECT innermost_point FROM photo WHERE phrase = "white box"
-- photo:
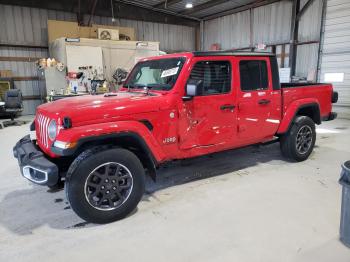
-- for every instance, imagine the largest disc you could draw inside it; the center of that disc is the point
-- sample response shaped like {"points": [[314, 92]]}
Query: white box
{"points": [[115, 54], [84, 56], [284, 74]]}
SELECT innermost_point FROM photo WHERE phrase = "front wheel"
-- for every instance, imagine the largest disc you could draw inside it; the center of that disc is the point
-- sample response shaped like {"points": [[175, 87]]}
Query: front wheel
{"points": [[299, 141], [103, 186]]}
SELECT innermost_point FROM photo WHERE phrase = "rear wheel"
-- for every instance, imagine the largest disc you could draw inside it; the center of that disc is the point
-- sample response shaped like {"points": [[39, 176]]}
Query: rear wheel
{"points": [[105, 186], [299, 141]]}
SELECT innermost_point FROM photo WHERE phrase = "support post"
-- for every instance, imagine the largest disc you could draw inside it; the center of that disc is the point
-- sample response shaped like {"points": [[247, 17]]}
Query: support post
{"points": [[251, 28], [201, 29], [294, 37], [79, 15], [92, 12], [320, 45], [304, 9]]}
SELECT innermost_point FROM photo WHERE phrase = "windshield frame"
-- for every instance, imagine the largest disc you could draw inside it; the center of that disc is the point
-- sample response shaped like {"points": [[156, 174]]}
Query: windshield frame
{"points": [[183, 60]]}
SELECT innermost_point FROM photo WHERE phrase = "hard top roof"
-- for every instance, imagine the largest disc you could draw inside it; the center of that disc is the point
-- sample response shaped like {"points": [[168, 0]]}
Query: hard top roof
{"points": [[233, 53]]}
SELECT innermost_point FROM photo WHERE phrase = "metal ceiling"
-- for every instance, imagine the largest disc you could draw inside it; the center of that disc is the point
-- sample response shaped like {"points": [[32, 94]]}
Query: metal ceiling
{"points": [[200, 10], [162, 11]]}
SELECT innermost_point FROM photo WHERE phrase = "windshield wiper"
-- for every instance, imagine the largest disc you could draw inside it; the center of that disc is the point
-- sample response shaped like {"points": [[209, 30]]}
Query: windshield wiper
{"points": [[145, 87], [160, 86], [110, 94], [128, 86]]}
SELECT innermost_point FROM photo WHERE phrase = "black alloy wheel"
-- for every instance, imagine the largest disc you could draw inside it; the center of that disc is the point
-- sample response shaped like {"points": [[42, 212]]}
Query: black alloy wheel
{"points": [[108, 186], [304, 139], [105, 184], [298, 142]]}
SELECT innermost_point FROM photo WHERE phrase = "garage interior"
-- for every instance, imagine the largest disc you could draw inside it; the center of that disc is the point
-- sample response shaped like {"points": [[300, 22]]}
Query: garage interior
{"points": [[248, 204]]}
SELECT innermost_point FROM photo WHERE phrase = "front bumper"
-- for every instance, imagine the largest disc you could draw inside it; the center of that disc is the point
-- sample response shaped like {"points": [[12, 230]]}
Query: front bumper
{"points": [[33, 163]]}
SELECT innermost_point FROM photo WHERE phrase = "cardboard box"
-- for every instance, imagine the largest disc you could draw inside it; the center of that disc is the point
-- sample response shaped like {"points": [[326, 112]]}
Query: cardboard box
{"points": [[86, 32], [6, 73], [57, 29]]}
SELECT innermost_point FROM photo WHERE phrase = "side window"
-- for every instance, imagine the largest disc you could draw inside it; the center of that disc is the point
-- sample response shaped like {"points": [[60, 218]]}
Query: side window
{"points": [[253, 74], [212, 77]]}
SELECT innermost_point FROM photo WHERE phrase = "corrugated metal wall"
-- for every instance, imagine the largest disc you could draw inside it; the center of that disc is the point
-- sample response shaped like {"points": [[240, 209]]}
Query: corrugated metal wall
{"points": [[28, 26], [271, 25], [172, 38], [230, 31], [309, 30], [306, 62], [28, 88], [335, 56]]}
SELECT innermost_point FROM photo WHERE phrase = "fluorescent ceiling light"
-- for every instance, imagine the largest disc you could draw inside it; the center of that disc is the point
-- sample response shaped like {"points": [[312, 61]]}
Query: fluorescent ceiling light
{"points": [[189, 5]]}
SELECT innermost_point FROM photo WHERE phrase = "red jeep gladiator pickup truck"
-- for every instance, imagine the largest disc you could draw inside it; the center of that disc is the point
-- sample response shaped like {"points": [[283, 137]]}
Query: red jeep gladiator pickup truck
{"points": [[170, 107]]}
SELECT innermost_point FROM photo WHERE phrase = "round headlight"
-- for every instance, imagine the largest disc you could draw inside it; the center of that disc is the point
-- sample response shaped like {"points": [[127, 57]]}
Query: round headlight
{"points": [[52, 130]]}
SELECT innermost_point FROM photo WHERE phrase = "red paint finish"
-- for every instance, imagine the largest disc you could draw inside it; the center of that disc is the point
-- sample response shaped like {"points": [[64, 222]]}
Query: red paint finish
{"points": [[295, 97], [183, 129], [204, 123], [257, 122]]}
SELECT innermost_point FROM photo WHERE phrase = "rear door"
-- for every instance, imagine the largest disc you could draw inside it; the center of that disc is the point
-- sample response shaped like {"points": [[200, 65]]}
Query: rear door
{"points": [[209, 119], [259, 106]]}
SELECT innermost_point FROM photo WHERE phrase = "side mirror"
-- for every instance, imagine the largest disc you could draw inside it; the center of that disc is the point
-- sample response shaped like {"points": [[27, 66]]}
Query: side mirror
{"points": [[191, 91]]}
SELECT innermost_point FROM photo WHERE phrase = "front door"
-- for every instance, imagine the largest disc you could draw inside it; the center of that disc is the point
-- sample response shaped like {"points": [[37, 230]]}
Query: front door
{"points": [[209, 119]]}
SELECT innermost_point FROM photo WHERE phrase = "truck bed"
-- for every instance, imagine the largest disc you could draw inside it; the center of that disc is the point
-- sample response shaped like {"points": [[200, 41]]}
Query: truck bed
{"points": [[289, 85], [312, 92]]}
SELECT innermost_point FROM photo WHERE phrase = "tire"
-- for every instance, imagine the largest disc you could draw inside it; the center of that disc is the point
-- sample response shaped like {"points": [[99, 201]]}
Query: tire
{"points": [[86, 184], [298, 143]]}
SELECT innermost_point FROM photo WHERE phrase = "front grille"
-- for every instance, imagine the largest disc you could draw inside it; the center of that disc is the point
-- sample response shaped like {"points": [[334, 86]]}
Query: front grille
{"points": [[43, 123]]}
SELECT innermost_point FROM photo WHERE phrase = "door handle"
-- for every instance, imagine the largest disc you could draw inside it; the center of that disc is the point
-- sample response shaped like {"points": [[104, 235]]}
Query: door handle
{"points": [[264, 102], [225, 107]]}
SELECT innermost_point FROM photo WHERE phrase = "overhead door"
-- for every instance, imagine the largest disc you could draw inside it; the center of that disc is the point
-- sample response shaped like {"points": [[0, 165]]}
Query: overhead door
{"points": [[335, 57]]}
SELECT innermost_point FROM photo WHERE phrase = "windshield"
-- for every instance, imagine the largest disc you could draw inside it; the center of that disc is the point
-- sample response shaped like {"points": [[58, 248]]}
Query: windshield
{"points": [[156, 74]]}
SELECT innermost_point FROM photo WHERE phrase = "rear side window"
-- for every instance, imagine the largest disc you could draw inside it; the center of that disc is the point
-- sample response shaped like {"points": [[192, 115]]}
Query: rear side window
{"points": [[212, 77], [253, 74]]}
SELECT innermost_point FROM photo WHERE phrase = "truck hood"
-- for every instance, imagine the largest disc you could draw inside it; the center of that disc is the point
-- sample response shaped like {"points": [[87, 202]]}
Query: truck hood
{"points": [[90, 109]]}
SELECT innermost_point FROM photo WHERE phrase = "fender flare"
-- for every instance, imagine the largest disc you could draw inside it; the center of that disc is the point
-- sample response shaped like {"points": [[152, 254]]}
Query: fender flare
{"points": [[294, 108], [106, 131]]}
